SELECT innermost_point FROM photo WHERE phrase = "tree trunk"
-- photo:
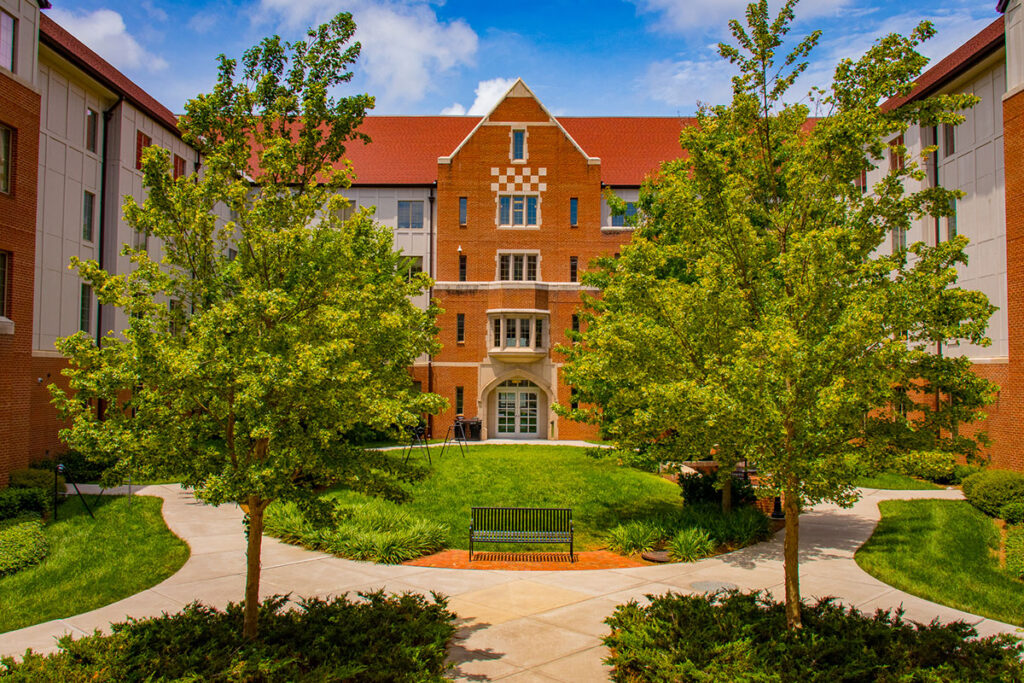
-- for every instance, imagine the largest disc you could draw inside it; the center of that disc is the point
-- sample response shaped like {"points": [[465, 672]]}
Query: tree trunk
{"points": [[791, 550], [252, 572], [727, 495]]}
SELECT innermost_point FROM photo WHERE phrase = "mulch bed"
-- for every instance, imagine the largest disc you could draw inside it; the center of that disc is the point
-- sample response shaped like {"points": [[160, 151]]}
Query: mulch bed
{"points": [[589, 559]]}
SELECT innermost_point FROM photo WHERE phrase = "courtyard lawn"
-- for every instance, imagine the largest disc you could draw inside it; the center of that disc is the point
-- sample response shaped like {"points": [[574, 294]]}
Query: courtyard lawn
{"points": [[944, 551], [896, 481], [601, 493], [93, 563]]}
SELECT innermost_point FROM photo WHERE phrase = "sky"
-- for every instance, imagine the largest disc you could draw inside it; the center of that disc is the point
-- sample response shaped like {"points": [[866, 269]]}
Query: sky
{"points": [[581, 58]]}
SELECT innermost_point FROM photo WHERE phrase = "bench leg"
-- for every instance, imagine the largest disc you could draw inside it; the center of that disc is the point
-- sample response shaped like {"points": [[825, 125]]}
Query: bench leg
{"points": [[471, 548], [570, 552]]}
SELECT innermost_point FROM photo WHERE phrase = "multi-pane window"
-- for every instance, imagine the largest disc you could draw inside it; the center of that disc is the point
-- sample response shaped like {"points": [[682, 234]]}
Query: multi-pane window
{"points": [[517, 267], [91, 129], [517, 332], [179, 167], [949, 139], [574, 211], [346, 212], [460, 327], [176, 316], [459, 399], [410, 215], [142, 141], [574, 401], [232, 254], [5, 269], [518, 145], [88, 212], [462, 267], [7, 25], [140, 240], [85, 309], [573, 268], [896, 160], [6, 151], [517, 210], [623, 219], [575, 323], [463, 210]]}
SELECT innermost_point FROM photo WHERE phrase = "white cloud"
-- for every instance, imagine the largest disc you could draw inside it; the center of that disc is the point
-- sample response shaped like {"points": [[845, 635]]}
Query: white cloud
{"points": [[404, 43], [685, 83], [203, 22], [694, 16], [487, 95], [104, 31]]}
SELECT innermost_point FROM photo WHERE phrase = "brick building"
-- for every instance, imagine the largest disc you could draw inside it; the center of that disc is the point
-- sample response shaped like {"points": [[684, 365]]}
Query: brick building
{"points": [[505, 211]]}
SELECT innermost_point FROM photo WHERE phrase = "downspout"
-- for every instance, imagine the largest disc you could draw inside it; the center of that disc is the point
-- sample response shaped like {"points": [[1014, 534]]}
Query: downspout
{"points": [[101, 405], [107, 115], [430, 297]]}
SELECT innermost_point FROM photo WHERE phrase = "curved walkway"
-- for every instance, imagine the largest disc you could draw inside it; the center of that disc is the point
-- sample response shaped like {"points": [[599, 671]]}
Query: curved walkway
{"points": [[514, 625]]}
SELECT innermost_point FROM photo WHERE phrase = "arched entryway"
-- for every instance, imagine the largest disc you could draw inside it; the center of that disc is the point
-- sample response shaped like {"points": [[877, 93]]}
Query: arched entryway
{"points": [[517, 409]]}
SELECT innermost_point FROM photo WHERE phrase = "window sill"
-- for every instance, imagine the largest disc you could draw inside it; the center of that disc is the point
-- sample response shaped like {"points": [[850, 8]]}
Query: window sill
{"points": [[617, 228], [518, 227], [6, 325]]}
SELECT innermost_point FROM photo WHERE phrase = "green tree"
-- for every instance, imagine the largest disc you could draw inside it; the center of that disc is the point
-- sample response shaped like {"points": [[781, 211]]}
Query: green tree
{"points": [[758, 313], [243, 373]]}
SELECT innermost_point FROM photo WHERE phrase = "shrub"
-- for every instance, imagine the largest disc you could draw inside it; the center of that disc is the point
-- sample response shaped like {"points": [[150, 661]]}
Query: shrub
{"points": [[744, 526], [17, 502], [690, 545], [990, 490], [385, 638], [961, 472], [698, 488], [31, 478], [634, 537], [22, 544], [371, 532], [1015, 550], [1013, 512], [936, 466], [79, 468], [734, 636]]}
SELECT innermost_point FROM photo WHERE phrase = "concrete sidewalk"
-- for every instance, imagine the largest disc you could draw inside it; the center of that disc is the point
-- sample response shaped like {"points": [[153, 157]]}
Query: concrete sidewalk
{"points": [[514, 625]]}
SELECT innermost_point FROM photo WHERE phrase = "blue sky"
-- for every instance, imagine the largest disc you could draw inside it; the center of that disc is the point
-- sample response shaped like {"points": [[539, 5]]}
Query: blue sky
{"points": [[601, 57]]}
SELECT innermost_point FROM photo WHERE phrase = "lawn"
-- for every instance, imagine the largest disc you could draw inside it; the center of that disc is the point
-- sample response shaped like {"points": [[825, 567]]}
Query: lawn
{"points": [[895, 480], [601, 493], [93, 563], [944, 551]]}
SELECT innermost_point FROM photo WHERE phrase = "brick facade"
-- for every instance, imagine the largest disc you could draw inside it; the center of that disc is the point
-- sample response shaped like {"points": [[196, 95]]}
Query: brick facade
{"points": [[556, 171], [1006, 418], [20, 114]]}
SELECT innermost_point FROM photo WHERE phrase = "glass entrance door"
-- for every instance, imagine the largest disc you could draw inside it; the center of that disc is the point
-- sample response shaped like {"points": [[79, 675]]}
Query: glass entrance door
{"points": [[518, 409]]}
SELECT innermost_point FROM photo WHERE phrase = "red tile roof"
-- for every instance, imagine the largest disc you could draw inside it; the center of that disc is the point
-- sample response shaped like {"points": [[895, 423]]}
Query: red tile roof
{"points": [[960, 60], [72, 49], [630, 148], [404, 149]]}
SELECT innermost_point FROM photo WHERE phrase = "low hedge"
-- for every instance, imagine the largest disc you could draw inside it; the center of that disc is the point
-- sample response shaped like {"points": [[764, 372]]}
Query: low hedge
{"points": [[743, 637], [990, 490], [742, 527], [31, 478], [383, 638], [22, 544], [15, 502]]}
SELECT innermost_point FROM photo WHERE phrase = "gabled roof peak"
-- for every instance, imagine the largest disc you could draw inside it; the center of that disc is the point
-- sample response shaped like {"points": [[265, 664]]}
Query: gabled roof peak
{"points": [[519, 89]]}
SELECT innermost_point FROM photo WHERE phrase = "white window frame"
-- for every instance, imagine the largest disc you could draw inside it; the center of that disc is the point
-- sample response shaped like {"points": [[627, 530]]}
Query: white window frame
{"points": [[511, 321], [512, 143], [6, 157], [512, 225], [7, 19], [512, 253], [398, 214]]}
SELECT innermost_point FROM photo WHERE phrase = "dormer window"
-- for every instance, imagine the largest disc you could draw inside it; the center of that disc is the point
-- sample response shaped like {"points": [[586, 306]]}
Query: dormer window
{"points": [[518, 152]]}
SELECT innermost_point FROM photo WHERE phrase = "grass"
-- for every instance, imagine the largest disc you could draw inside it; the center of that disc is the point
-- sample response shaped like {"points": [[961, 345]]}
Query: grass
{"points": [[601, 494], [896, 481], [944, 551], [93, 563]]}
